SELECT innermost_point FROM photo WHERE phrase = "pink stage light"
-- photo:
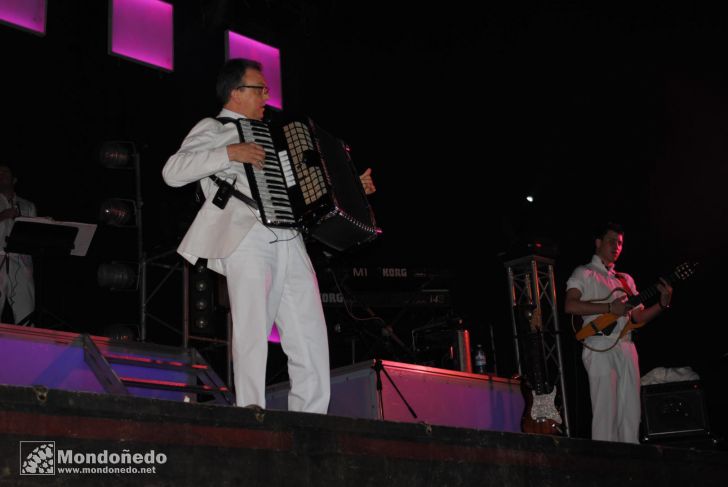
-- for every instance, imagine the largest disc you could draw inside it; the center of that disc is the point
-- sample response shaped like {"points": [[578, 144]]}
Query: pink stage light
{"points": [[27, 14], [142, 31], [274, 337], [237, 46]]}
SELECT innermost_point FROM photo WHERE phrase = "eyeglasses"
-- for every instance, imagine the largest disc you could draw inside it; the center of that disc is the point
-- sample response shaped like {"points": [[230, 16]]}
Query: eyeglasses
{"points": [[263, 89]]}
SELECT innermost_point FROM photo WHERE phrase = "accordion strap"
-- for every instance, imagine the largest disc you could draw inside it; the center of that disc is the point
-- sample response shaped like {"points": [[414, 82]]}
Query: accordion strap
{"points": [[224, 120], [220, 182]]}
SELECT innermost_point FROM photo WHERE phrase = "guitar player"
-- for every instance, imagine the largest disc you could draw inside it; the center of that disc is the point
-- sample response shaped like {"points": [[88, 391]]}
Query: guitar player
{"points": [[613, 369]]}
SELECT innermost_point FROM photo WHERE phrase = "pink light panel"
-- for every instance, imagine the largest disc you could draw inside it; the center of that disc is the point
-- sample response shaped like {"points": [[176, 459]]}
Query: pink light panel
{"points": [[26, 14], [237, 46], [142, 30]]}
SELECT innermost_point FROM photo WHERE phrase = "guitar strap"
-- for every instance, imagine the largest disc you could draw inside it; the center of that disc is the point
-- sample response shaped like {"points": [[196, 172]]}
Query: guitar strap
{"points": [[625, 286]]}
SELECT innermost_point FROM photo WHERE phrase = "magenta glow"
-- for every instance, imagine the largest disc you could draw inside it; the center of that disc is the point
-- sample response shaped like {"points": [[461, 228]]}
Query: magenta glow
{"points": [[142, 30], [274, 337], [27, 14]]}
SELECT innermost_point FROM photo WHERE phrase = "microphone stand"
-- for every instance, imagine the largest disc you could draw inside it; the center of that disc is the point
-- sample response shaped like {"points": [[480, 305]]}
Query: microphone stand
{"points": [[378, 369]]}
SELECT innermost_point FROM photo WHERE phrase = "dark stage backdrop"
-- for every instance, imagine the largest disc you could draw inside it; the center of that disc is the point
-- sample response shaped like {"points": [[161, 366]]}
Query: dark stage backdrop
{"points": [[601, 114]]}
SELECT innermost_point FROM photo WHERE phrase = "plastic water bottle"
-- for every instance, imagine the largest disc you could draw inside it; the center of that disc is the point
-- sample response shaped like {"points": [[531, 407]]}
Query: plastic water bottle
{"points": [[479, 359]]}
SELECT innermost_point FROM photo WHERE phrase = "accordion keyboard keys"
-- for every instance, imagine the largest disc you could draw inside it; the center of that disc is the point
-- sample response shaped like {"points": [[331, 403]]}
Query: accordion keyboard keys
{"points": [[269, 183]]}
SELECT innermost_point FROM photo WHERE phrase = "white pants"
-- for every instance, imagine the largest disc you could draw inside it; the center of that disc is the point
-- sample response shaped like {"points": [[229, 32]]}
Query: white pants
{"points": [[275, 282], [614, 384], [16, 285]]}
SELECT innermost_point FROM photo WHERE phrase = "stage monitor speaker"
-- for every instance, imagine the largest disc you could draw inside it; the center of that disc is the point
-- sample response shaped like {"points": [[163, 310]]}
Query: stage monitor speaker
{"points": [[673, 410]]}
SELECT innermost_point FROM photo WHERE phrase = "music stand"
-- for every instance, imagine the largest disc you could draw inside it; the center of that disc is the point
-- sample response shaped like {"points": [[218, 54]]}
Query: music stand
{"points": [[42, 237]]}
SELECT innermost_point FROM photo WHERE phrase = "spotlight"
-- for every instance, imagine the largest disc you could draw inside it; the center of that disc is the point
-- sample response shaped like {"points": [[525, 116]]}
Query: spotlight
{"points": [[202, 324], [116, 155], [116, 212], [201, 286], [117, 276], [202, 304]]}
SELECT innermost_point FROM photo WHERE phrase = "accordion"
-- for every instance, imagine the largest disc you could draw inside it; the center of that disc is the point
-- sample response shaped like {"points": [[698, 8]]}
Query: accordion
{"points": [[308, 181]]}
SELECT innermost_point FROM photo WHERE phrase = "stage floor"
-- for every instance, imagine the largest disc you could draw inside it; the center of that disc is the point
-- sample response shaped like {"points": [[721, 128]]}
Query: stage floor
{"points": [[177, 443]]}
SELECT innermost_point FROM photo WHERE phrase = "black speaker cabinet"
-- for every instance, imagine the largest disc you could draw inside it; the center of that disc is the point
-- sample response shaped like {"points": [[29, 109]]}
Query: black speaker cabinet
{"points": [[673, 410]]}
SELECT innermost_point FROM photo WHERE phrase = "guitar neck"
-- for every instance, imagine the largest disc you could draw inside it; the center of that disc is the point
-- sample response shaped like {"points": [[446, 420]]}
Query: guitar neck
{"points": [[537, 362], [681, 273], [649, 292]]}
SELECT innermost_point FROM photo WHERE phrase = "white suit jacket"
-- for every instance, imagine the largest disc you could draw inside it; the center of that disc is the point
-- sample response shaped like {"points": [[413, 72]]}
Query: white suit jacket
{"points": [[215, 233]]}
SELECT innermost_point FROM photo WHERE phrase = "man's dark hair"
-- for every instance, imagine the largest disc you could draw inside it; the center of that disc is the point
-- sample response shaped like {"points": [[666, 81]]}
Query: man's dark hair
{"points": [[602, 231], [231, 74]]}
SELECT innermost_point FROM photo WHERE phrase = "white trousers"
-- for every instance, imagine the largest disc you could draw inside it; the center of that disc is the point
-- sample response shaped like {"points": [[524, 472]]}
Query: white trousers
{"points": [[614, 384], [275, 282], [16, 285]]}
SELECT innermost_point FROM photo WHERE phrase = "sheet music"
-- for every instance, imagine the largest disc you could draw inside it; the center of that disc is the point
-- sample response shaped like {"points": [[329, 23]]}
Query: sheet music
{"points": [[83, 237]]}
